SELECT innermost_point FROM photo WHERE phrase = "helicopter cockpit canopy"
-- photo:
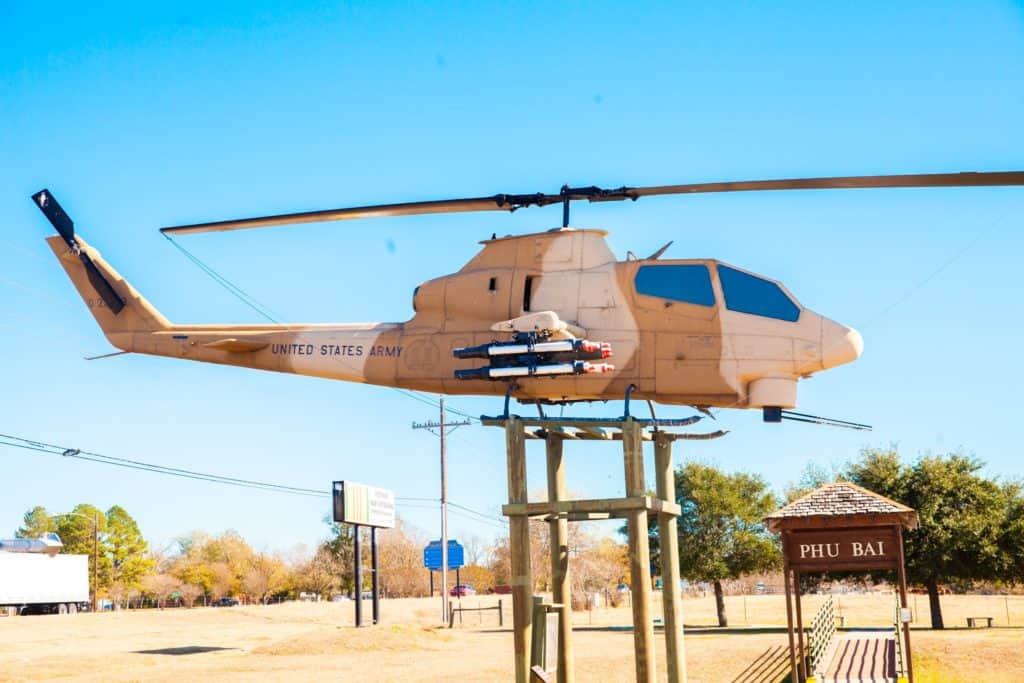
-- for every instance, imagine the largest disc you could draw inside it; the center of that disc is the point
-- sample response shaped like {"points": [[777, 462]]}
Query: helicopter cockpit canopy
{"points": [[741, 292]]}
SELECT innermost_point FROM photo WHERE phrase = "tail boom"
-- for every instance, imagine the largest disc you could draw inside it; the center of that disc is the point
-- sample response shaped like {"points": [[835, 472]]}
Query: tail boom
{"points": [[355, 352]]}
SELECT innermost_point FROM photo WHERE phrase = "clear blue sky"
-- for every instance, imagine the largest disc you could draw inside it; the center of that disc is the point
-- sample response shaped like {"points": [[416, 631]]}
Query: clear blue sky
{"points": [[138, 117]]}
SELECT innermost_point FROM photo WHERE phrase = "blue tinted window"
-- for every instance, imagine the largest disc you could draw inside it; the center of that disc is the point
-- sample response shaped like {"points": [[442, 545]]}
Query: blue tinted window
{"points": [[690, 283], [749, 294]]}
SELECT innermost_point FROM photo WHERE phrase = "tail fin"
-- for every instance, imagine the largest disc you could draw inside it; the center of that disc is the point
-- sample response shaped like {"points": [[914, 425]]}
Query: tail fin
{"points": [[117, 307]]}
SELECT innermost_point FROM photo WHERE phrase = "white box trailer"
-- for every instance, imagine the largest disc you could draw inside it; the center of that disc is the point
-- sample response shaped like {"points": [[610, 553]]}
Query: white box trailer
{"points": [[33, 583]]}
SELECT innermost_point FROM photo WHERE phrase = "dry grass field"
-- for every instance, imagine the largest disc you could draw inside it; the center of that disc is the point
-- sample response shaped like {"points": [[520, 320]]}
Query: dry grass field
{"points": [[306, 641]]}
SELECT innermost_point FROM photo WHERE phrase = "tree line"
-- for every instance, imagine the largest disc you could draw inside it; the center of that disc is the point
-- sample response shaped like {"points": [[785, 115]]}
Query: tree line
{"points": [[201, 567], [971, 528]]}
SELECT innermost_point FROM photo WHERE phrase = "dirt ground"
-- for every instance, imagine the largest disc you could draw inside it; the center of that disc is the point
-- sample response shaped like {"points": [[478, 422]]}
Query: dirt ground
{"points": [[307, 641]]}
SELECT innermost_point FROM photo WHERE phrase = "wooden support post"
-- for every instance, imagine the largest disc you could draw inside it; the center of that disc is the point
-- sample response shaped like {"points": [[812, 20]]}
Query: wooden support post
{"points": [[903, 603], [668, 537], [560, 587], [519, 547], [800, 628], [789, 616], [639, 553]]}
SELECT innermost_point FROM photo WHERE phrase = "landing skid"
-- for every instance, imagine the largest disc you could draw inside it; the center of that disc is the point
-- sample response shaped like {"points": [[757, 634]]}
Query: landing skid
{"points": [[653, 422]]}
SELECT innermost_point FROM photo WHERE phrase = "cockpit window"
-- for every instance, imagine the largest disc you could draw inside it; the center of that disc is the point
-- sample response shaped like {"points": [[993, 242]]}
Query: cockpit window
{"points": [[687, 283], [746, 293]]}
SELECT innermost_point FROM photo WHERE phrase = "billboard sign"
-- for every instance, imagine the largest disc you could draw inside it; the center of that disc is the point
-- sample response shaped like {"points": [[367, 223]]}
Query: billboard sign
{"points": [[363, 505], [432, 555]]}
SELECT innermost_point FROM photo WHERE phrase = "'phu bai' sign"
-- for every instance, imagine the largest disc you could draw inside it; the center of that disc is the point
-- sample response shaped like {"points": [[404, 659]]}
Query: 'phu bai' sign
{"points": [[842, 549]]}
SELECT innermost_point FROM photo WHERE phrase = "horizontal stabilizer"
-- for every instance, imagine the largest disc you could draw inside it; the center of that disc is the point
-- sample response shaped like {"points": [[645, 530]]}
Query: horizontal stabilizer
{"points": [[237, 345]]}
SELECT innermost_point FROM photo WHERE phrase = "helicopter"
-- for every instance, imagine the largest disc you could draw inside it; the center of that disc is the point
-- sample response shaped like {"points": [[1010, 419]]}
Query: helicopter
{"points": [[549, 318]]}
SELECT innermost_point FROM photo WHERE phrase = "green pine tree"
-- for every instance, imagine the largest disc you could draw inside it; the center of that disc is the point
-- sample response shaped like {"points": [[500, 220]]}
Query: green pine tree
{"points": [[37, 522], [126, 549]]}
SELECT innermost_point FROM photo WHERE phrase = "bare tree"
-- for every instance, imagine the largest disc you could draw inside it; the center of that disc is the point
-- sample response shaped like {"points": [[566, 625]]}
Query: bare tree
{"points": [[189, 593], [256, 581], [475, 550], [401, 561], [132, 594], [267, 575], [598, 567], [223, 579], [321, 574], [117, 592], [160, 587]]}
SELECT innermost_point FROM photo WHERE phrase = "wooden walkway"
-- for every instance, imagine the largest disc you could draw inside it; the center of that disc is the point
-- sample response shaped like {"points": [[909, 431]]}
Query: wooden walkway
{"points": [[862, 658]]}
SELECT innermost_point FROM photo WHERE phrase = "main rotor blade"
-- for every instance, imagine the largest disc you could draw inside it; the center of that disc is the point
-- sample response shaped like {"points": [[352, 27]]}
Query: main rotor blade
{"points": [[965, 179], [499, 202], [511, 202]]}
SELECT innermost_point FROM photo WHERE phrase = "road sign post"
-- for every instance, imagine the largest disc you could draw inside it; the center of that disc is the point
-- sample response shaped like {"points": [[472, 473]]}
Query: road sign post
{"points": [[360, 505]]}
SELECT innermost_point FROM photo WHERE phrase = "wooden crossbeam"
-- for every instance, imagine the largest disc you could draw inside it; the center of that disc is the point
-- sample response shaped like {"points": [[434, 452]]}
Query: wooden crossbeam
{"points": [[609, 506], [593, 432]]}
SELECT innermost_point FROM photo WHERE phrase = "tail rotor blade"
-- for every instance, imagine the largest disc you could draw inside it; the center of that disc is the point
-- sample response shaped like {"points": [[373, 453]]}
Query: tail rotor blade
{"points": [[64, 226], [54, 213]]}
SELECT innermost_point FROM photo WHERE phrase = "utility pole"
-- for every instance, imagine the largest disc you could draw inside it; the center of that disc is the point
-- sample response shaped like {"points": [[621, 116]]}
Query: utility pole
{"points": [[443, 428]]}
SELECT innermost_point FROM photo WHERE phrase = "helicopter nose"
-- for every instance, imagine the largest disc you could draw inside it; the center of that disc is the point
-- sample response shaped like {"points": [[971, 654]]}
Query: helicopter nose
{"points": [[839, 344]]}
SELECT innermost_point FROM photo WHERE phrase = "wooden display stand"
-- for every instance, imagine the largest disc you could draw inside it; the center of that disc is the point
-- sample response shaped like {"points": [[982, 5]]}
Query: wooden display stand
{"points": [[558, 512]]}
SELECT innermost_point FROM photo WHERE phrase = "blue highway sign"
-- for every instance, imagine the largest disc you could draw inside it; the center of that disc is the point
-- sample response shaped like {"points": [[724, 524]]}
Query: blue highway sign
{"points": [[432, 555]]}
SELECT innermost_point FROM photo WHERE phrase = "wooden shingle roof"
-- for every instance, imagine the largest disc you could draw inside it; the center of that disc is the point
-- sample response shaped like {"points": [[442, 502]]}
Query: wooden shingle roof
{"points": [[841, 504]]}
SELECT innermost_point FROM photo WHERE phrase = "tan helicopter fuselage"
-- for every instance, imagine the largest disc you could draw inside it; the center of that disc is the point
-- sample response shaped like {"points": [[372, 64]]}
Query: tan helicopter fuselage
{"points": [[679, 329]]}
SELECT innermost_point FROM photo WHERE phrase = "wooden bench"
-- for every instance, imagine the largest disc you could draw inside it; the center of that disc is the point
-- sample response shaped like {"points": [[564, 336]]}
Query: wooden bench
{"points": [[974, 621]]}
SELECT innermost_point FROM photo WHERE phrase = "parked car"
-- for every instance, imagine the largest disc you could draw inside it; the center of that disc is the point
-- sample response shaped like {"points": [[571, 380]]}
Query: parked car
{"points": [[462, 590], [225, 602]]}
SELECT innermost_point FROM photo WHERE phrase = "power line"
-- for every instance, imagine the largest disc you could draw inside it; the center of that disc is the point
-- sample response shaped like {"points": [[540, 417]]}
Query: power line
{"points": [[78, 454], [127, 463], [482, 515]]}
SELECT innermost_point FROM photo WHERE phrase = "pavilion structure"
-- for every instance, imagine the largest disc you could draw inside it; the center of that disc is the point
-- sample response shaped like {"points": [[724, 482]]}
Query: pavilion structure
{"points": [[842, 527]]}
